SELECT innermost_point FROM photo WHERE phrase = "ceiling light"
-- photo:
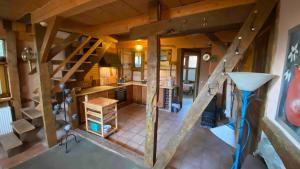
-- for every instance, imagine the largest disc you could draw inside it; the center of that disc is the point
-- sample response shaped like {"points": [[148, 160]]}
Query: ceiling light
{"points": [[139, 47], [44, 24]]}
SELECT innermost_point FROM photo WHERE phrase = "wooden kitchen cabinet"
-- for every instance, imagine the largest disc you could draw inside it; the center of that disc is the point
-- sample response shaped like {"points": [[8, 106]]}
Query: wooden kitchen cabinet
{"points": [[129, 94], [137, 94], [144, 95], [111, 94]]}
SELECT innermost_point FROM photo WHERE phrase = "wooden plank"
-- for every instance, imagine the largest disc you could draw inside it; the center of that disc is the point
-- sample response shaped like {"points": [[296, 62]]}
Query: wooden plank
{"points": [[61, 46], [80, 61], [13, 74], [10, 141], [215, 21], [124, 26], [264, 8], [153, 64], [32, 113], [44, 90], [49, 38], [22, 126], [287, 151], [68, 58], [5, 99], [65, 8]]}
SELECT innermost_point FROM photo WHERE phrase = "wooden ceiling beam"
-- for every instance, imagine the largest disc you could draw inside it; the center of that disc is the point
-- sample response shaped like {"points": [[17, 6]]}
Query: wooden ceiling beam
{"points": [[124, 26], [203, 6], [203, 22], [65, 8], [49, 38]]}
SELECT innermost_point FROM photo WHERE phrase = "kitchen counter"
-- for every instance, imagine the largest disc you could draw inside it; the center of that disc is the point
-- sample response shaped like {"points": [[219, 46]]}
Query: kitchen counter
{"points": [[106, 88], [135, 92]]}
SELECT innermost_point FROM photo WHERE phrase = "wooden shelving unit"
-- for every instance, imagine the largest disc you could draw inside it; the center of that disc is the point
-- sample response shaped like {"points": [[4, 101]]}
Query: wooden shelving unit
{"points": [[101, 111]]}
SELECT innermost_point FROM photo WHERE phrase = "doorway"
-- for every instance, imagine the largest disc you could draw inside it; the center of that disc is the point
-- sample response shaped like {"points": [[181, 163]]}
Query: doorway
{"points": [[190, 72]]}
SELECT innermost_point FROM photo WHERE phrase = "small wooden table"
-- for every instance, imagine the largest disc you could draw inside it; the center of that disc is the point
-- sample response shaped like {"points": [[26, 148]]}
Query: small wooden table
{"points": [[101, 112]]}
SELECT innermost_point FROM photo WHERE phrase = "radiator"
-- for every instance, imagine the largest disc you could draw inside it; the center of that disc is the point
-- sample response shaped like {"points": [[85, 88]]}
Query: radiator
{"points": [[5, 120]]}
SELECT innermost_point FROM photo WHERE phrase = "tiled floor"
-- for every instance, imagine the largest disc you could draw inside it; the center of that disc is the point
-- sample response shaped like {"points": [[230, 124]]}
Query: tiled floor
{"points": [[131, 120], [200, 149]]}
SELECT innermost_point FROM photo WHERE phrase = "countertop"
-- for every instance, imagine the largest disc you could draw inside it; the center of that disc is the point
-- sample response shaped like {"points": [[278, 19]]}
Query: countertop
{"points": [[97, 89], [100, 101]]}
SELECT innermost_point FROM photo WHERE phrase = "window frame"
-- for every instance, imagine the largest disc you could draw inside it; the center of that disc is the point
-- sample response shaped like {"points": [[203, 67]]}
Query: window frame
{"points": [[3, 62]]}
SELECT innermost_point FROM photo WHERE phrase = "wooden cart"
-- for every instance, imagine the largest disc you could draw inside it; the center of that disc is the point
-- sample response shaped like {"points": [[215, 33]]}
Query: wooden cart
{"points": [[101, 112]]}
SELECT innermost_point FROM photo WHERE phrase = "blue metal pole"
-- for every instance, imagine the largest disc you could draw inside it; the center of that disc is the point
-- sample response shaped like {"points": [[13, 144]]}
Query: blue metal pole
{"points": [[245, 99]]}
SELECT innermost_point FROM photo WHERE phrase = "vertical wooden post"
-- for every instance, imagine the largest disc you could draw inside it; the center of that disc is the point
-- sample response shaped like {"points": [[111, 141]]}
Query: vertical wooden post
{"points": [[153, 61], [179, 74], [13, 74], [45, 89]]}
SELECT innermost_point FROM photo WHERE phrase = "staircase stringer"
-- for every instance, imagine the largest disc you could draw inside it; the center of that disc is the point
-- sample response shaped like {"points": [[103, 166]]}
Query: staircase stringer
{"points": [[68, 58], [80, 62], [242, 41], [98, 57]]}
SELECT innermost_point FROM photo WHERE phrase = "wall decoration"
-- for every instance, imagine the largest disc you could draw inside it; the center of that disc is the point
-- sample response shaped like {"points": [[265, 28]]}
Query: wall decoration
{"points": [[288, 113]]}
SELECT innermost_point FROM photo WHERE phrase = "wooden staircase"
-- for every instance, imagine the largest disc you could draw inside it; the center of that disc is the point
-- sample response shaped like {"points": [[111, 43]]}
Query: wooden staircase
{"points": [[78, 63], [73, 68]]}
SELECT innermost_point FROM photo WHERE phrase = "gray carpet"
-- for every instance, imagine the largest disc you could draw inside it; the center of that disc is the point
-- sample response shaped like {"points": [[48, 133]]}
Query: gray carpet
{"points": [[84, 155]]}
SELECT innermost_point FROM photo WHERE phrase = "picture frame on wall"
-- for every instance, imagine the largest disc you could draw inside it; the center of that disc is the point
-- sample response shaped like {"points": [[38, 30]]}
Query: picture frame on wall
{"points": [[288, 112]]}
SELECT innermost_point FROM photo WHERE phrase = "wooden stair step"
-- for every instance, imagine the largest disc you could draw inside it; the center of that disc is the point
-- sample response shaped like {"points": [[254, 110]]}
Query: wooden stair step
{"points": [[57, 62], [59, 79], [36, 99], [22, 126], [85, 62], [93, 54], [78, 70], [31, 113], [36, 90], [10, 141]]}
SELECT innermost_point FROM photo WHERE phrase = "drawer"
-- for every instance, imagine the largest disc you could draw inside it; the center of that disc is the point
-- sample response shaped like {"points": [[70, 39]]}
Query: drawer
{"points": [[108, 109]]}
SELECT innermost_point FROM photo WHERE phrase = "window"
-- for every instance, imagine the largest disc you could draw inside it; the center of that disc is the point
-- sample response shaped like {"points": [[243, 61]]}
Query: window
{"points": [[192, 61], [138, 59], [3, 71], [2, 50], [189, 68]]}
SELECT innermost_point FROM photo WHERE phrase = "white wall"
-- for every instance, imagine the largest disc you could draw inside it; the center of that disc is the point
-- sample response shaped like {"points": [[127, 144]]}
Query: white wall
{"points": [[289, 17]]}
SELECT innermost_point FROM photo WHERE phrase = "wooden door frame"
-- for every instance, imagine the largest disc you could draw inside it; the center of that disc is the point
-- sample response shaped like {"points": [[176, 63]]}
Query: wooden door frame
{"points": [[192, 51]]}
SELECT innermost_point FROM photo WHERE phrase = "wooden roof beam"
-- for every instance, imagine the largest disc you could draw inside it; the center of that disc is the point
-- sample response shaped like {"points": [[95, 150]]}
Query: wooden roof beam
{"points": [[49, 38], [124, 26], [65, 8], [211, 21]]}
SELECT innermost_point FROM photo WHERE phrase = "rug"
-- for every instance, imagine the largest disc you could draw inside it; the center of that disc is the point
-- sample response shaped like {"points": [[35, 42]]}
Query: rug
{"points": [[84, 155]]}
